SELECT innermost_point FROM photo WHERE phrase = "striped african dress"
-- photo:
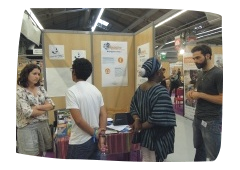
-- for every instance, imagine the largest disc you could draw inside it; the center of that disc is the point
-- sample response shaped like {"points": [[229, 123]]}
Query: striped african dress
{"points": [[155, 106]]}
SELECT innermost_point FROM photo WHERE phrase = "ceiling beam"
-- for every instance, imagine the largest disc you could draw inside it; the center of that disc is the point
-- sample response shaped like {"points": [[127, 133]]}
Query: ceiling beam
{"points": [[140, 20]]}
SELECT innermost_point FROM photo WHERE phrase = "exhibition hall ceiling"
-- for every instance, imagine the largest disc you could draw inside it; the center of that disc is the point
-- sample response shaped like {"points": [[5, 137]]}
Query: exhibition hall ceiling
{"points": [[206, 27]]}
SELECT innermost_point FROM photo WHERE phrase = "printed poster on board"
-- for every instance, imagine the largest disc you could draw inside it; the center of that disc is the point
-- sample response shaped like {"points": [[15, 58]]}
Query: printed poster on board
{"points": [[142, 56], [190, 77], [78, 54], [114, 63], [56, 52]]}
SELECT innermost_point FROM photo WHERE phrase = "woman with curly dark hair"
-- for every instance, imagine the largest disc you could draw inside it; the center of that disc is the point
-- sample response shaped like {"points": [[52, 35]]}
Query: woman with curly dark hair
{"points": [[33, 132]]}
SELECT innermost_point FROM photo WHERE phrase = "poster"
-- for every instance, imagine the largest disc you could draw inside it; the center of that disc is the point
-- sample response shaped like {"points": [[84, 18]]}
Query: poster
{"points": [[114, 61], [59, 80], [218, 61], [56, 52], [78, 54], [190, 78], [142, 56]]}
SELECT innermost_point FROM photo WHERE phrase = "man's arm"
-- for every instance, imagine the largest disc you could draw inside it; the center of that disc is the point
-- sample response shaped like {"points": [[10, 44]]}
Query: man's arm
{"points": [[103, 117], [217, 99], [80, 122]]}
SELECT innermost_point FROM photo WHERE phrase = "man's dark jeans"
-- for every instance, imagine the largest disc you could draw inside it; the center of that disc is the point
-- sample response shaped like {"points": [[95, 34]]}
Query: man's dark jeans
{"points": [[207, 142]]}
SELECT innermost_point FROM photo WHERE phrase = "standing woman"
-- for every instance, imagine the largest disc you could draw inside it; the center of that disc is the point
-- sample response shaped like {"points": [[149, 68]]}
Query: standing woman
{"points": [[33, 132], [153, 114]]}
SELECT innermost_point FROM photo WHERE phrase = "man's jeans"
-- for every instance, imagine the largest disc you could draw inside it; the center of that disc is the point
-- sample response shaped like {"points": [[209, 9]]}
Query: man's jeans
{"points": [[206, 139], [87, 150]]}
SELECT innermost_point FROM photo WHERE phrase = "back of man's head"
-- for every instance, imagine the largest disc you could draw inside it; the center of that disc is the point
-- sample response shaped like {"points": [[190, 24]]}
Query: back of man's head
{"points": [[82, 68]]}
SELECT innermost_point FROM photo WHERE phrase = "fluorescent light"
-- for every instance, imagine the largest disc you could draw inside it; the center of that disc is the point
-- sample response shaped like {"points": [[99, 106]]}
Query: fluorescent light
{"points": [[209, 31], [192, 5], [97, 20], [169, 42], [231, 28], [3, 42], [105, 23], [168, 19], [232, 43], [33, 17], [208, 34]]}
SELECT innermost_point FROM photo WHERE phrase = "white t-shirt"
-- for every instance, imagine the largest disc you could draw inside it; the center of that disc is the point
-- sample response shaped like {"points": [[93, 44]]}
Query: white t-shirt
{"points": [[88, 99]]}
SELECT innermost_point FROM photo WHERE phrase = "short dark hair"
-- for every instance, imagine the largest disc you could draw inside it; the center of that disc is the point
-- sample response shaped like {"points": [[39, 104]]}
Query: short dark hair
{"points": [[82, 68], [205, 49], [23, 78]]}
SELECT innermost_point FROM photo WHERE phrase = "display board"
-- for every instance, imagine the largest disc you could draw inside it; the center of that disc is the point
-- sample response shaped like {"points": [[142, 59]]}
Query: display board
{"points": [[58, 49], [115, 96], [144, 49], [114, 50]]}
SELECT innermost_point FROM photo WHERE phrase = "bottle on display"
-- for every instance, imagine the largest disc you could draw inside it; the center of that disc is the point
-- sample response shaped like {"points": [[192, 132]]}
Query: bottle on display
{"points": [[103, 154]]}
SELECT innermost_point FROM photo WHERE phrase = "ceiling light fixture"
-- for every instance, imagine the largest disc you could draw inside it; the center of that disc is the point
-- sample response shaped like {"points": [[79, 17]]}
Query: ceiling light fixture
{"points": [[169, 42], [105, 23], [209, 31], [168, 19], [98, 18], [34, 19], [208, 34]]}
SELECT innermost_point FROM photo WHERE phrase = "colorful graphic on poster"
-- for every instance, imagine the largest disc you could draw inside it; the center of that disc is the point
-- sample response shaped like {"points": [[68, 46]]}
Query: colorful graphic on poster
{"points": [[56, 52], [142, 56], [114, 63]]}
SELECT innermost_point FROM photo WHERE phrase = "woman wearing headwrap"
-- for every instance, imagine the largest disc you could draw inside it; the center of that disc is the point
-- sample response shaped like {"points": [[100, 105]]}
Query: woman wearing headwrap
{"points": [[153, 114]]}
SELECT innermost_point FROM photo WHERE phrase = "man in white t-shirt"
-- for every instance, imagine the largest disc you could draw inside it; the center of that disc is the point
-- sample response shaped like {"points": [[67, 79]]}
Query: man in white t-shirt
{"points": [[89, 116]]}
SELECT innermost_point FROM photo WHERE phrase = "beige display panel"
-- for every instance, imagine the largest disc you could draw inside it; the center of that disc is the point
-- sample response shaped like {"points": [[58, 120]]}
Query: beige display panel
{"points": [[70, 41], [141, 38], [116, 99]]}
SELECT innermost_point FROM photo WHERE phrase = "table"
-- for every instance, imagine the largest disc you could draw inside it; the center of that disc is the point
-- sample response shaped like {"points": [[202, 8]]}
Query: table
{"points": [[120, 147]]}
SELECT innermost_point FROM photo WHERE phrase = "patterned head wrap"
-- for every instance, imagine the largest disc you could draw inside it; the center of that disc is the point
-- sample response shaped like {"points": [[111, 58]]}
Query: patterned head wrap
{"points": [[149, 67]]}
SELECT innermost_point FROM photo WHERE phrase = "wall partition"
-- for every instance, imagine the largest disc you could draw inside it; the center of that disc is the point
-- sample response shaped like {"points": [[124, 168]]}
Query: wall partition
{"points": [[115, 59], [60, 49]]}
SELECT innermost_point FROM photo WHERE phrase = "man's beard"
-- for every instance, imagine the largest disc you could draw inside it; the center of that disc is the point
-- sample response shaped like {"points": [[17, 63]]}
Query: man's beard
{"points": [[201, 65]]}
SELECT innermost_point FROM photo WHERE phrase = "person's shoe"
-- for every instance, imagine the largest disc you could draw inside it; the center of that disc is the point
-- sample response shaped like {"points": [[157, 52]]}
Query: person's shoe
{"points": [[189, 168]]}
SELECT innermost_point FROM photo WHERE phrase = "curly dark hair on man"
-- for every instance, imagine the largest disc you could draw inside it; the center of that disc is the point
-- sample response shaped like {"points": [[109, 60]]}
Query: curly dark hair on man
{"points": [[82, 68], [203, 48], [23, 79]]}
